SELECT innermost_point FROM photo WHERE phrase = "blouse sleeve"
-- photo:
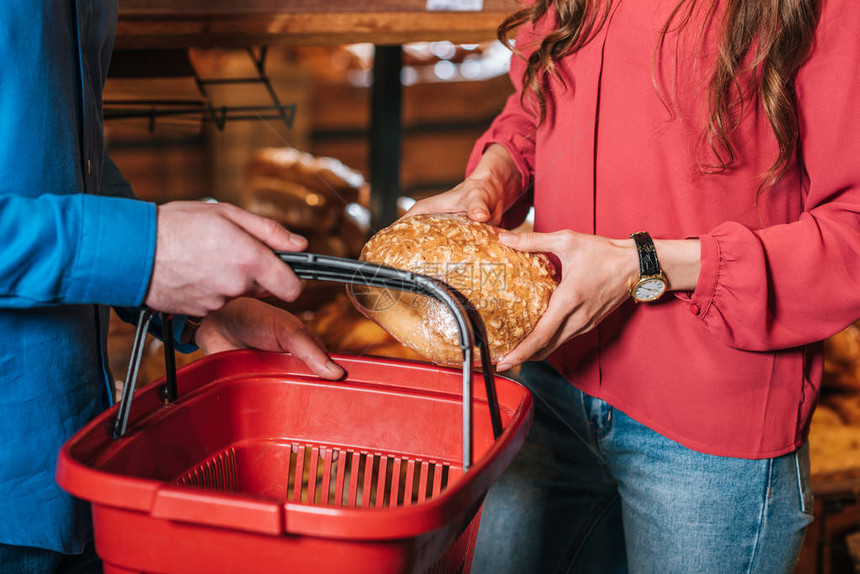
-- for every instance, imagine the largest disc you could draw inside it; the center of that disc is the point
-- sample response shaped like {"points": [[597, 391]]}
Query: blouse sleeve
{"points": [[514, 128], [789, 285]]}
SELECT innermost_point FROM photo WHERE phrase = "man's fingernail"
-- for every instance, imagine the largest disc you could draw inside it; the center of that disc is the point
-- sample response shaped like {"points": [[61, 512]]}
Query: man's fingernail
{"points": [[298, 240], [503, 367], [335, 368], [507, 237]]}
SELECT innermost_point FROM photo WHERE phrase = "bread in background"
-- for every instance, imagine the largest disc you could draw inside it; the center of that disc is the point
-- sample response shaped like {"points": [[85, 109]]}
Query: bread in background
{"points": [[311, 196]]}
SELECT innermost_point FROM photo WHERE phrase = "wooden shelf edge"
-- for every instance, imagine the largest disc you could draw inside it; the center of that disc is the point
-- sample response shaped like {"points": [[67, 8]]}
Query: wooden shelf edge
{"points": [[231, 8], [154, 31]]}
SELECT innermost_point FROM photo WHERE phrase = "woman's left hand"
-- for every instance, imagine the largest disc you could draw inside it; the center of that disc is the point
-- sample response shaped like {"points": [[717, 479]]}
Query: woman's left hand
{"points": [[596, 276], [249, 323]]}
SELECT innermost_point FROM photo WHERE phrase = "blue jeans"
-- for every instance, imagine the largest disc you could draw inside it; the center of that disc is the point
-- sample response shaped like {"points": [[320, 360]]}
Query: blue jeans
{"points": [[593, 491], [27, 560]]}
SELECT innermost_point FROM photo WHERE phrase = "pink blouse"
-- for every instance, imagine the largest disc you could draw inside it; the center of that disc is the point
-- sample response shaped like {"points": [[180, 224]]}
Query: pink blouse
{"points": [[733, 368]]}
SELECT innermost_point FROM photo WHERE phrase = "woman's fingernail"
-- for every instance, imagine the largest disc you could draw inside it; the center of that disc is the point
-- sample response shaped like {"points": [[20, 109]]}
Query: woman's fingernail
{"points": [[503, 367], [507, 237]]}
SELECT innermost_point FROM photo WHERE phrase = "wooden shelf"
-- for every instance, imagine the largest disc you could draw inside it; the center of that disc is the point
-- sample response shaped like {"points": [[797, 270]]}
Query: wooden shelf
{"points": [[150, 24]]}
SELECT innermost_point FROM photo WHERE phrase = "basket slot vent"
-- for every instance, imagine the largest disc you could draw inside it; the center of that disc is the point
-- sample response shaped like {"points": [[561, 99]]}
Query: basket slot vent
{"points": [[313, 466], [299, 453], [355, 471], [327, 476], [437, 479], [338, 485], [394, 489], [408, 484], [371, 466], [422, 482], [381, 480], [325, 486], [348, 478], [218, 473]]}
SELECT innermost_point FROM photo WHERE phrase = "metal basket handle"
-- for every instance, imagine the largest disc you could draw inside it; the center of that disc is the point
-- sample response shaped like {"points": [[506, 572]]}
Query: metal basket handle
{"points": [[470, 328]]}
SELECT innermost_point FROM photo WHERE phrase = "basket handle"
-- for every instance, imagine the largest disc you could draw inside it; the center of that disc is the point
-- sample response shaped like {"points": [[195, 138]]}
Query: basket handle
{"points": [[470, 328]]}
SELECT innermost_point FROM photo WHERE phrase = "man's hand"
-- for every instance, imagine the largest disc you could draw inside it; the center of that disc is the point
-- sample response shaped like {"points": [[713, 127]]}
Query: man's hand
{"points": [[208, 254], [250, 323]]}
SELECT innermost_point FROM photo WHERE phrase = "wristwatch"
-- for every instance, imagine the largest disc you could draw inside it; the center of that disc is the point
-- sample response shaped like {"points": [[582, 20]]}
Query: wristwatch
{"points": [[651, 283]]}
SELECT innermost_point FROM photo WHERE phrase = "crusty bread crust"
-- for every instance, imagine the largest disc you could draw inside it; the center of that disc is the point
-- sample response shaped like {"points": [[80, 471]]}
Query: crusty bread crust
{"points": [[509, 288]]}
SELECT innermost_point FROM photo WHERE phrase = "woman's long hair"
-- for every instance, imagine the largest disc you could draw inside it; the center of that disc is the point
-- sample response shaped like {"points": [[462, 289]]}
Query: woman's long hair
{"points": [[779, 31]]}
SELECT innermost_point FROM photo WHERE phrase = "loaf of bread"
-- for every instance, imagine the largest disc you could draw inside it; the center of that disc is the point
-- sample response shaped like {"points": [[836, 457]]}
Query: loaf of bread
{"points": [[304, 193], [294, 206], [510, 289], [325, 175]]}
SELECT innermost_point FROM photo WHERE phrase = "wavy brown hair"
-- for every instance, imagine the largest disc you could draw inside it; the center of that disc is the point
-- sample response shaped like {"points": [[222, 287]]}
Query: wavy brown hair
{"points": [[770, 38]]}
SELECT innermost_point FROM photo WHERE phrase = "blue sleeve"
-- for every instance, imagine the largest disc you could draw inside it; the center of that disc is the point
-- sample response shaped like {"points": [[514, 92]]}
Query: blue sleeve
{"points": [[75, 249], [156, 328]]}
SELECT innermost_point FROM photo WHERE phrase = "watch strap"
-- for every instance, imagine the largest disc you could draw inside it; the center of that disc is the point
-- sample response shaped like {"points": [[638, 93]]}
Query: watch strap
{"points": [[648, 263]]}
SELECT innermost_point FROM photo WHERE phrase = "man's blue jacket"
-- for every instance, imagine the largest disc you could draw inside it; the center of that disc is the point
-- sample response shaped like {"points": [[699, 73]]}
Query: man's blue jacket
{"points": [[70, 242]]}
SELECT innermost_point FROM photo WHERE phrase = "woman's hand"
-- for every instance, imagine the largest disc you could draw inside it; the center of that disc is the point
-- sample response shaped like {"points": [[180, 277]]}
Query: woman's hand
{"points": [[597, 273], [484, 195], [596, 276], [250, 323]]}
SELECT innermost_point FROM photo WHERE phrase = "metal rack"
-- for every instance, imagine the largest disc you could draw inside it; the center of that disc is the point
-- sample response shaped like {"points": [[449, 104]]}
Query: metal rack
{"points": [[176, 63], [160, 24]]}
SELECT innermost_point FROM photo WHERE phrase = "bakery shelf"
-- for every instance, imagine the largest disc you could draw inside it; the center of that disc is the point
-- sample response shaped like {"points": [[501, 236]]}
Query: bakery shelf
{"points": [[148, 24], [183, 24], [151, 64]]}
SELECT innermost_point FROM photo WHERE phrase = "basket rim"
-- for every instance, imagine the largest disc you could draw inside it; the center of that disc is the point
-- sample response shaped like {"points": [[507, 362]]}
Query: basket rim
{"points": [[169, 501]]}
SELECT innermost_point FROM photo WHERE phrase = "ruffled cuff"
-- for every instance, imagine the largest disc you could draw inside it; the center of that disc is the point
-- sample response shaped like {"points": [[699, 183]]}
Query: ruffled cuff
{"points": [[701, 300]]}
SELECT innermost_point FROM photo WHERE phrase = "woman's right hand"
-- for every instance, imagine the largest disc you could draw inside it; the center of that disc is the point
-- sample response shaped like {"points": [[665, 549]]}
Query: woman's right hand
{"points": [[484, 195]]}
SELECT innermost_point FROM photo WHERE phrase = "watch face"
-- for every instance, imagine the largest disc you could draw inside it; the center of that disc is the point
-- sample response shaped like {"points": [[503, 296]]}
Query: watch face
{"points": [[649, 289]]}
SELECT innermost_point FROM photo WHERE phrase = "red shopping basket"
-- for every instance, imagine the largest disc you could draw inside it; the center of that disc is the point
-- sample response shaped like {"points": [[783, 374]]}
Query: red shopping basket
{"points": [[247, 462]]}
